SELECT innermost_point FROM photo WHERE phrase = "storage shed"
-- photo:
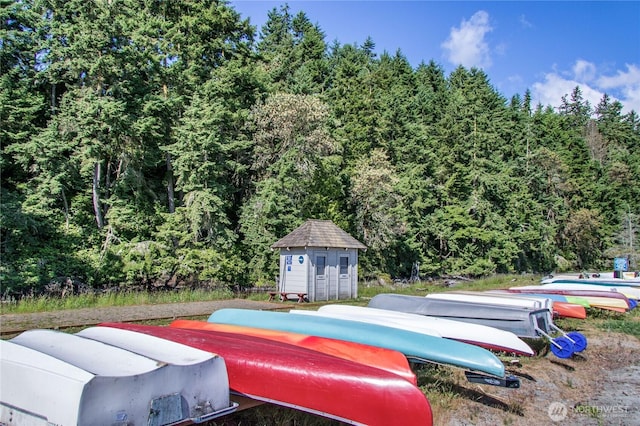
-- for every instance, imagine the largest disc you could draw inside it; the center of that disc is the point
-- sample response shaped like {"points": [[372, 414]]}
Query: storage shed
{"points": [[318, 261]]}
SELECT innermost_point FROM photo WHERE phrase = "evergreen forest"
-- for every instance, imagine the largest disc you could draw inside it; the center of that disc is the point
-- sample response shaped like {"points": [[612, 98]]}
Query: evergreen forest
{"points": [[155, 143]]}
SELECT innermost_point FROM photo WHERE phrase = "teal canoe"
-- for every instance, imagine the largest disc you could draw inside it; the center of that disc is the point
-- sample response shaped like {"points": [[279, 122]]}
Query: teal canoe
{"points": [[415, 346]]}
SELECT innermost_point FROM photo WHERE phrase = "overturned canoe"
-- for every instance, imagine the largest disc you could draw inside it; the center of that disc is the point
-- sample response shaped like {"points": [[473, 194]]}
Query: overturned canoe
{"points": [[475, 334], [385, 359], [416, 347], [598, 280], [494, 299], [304, 379], [419, 348], [562, 309], [629, 292], [599, 298], [63, 379], [520, 321], [576, 300], [569, 310], [563, 306], [475, 298]]}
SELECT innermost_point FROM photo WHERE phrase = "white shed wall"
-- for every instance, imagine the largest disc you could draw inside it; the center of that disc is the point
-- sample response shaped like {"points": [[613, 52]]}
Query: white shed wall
{"points": [[294, 265], [299, 273]]}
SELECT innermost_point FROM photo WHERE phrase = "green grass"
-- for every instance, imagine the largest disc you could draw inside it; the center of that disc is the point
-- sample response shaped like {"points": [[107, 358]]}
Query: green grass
{"points": [[624, 323], [126, 298], [371, 289], [439, 384], [628, 323]]}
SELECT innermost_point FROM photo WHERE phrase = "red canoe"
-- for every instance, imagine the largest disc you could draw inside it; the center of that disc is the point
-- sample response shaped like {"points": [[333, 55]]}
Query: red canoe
{"points": [[304, 379], [569, 310], [373, 356]]}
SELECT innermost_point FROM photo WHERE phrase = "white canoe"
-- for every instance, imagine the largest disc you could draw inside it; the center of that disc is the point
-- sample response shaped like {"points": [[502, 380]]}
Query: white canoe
{"points": [[38, 389], [630, 292], [475, 334], [606, 278], [523, 321], [109, 385], [495, 299]]}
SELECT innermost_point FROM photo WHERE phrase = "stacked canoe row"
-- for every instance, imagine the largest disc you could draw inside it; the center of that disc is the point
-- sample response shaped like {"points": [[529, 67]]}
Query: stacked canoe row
{"points": [[598, 291], [529, 318], [528, 311], [348, 363], [192, 372], [355, 370]]}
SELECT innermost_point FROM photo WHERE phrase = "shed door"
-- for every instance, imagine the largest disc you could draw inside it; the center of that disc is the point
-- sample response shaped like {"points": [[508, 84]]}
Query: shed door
{"points": [[344, 277], [321, 277]]}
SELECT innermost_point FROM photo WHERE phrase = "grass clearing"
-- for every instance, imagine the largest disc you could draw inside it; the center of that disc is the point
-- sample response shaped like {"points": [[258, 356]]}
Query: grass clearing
{"points": [[372, 288], [125, 298], [628, 323]]}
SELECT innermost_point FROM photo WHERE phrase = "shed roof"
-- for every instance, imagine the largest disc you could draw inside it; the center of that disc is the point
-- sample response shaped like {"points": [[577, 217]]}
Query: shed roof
{"points": [[318, 233]]}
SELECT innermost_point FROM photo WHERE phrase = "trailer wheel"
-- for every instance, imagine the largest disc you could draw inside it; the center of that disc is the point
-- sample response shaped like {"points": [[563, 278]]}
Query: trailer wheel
{"points": [[562, 347], [579, 340]]}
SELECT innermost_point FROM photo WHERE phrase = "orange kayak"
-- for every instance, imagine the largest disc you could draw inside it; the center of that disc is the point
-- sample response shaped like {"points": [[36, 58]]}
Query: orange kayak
{"points": [[373, 356], [569, 310]]}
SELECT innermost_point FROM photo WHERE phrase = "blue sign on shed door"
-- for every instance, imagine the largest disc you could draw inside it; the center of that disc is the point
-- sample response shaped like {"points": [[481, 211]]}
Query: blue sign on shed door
{"points": [[620, 264]]}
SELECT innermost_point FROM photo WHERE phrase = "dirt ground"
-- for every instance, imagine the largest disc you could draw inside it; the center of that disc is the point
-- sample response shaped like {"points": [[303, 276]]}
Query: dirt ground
{"points": [[600, 387]]}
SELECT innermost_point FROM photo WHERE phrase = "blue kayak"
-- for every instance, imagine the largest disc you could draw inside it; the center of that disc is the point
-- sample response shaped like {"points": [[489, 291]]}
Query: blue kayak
{"points": [[416, 347]]}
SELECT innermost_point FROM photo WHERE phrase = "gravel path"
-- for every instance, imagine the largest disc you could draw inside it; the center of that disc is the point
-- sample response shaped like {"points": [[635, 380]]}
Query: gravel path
{"points": [[12, 324]]}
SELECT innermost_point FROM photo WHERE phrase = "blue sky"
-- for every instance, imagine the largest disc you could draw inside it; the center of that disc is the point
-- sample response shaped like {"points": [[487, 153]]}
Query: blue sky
{"points": [[548, 47]]}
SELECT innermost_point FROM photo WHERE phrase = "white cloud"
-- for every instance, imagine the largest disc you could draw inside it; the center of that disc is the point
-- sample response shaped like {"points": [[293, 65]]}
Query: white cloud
{"points": [[524, 22], [554, 87], [515, 79], [622, 79], [624, 86], [466, 44], [584, 70], [627, 84]]}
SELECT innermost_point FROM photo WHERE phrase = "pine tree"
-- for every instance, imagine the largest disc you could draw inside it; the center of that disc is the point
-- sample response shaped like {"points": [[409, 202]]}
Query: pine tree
{"points": [[293, 155]]}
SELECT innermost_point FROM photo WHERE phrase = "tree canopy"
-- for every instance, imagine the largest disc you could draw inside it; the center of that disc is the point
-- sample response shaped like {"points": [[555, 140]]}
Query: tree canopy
{"points": [[149, 143]]}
